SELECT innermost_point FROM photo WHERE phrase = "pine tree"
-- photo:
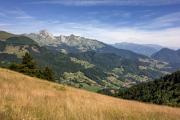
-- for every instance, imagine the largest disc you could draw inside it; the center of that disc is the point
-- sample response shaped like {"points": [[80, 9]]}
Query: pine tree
{"points": [[28, 61], [28, 67], [48, 74]]}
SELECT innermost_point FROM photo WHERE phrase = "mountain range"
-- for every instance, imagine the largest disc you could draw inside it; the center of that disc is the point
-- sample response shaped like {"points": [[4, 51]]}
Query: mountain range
{"points": [[144, 49], [170, 56], [76, 44], [81, 62]]}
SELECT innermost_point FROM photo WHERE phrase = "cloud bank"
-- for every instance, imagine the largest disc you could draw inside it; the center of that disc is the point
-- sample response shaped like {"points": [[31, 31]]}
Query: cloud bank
{"points": [[162, 29], [110, 2]]}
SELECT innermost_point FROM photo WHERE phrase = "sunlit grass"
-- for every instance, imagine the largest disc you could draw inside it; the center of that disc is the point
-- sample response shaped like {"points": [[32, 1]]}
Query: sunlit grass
{"points": [[23, 97]]}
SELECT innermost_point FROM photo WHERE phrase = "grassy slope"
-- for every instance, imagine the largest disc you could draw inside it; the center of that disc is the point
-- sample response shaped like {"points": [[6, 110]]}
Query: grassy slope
{"points": [[5, 35], [23, 97]]}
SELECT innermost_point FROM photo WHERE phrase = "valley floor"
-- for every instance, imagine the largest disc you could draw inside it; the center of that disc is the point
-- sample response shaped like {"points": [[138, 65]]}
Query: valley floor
{"points": [[27, 98]]}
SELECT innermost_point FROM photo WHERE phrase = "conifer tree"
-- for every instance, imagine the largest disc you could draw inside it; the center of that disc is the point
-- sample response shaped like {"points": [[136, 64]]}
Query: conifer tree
{"points": [[28, 61], [48, 74]]}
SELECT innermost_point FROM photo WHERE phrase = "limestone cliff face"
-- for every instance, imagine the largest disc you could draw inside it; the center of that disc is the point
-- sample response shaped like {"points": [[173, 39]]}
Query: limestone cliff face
{"points": [[45, 38]]}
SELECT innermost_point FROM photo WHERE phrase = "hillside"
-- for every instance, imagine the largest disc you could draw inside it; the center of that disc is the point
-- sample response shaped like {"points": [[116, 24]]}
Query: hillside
{"points": [[144, 49], [165, 90], [170, 56], [24, 97], [82, 62], [5, 35]]}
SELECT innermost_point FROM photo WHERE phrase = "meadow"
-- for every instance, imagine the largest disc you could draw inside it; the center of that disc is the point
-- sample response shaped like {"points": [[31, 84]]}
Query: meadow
{"points": [[28, 98]]}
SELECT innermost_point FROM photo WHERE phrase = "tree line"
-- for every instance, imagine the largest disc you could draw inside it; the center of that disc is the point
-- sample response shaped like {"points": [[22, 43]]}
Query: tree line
{"points": [[165, 90], [29, 67]]}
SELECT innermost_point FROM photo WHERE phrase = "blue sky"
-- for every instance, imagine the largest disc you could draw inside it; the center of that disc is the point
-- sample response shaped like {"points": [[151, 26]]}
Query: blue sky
{"points": [[110, 21]]}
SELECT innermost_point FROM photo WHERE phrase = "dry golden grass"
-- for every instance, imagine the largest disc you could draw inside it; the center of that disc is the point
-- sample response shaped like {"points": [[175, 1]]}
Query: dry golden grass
{"points": [[27, 98]]}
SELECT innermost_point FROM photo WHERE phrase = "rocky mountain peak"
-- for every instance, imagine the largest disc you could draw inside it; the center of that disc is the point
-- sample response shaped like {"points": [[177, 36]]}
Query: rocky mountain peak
{"points": [[46, 34]]}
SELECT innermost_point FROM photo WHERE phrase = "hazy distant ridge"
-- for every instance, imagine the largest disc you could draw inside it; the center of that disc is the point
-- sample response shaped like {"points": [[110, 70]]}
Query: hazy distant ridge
{"points": [[144, 49]]}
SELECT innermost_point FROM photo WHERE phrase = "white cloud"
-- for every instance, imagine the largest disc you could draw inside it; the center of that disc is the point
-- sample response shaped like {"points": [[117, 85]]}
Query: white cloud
{"points": [[108, 34], [161, 22], [169, 37], [110, 2], [4, 24], [94, 29], [14, 13]]}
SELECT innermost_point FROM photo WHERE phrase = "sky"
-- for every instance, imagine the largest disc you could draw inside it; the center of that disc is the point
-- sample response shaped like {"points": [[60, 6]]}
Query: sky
{"points": [[110, 21]]}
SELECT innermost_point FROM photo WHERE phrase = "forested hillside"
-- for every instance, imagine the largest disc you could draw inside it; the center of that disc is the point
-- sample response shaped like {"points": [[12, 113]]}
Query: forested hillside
{"points": [[165, 90], [170, 56]]}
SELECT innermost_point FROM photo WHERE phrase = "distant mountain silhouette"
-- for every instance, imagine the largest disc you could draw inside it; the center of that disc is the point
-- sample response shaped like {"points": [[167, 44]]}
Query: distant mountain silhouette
{"points": [[144, 49], [170, 56]]}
